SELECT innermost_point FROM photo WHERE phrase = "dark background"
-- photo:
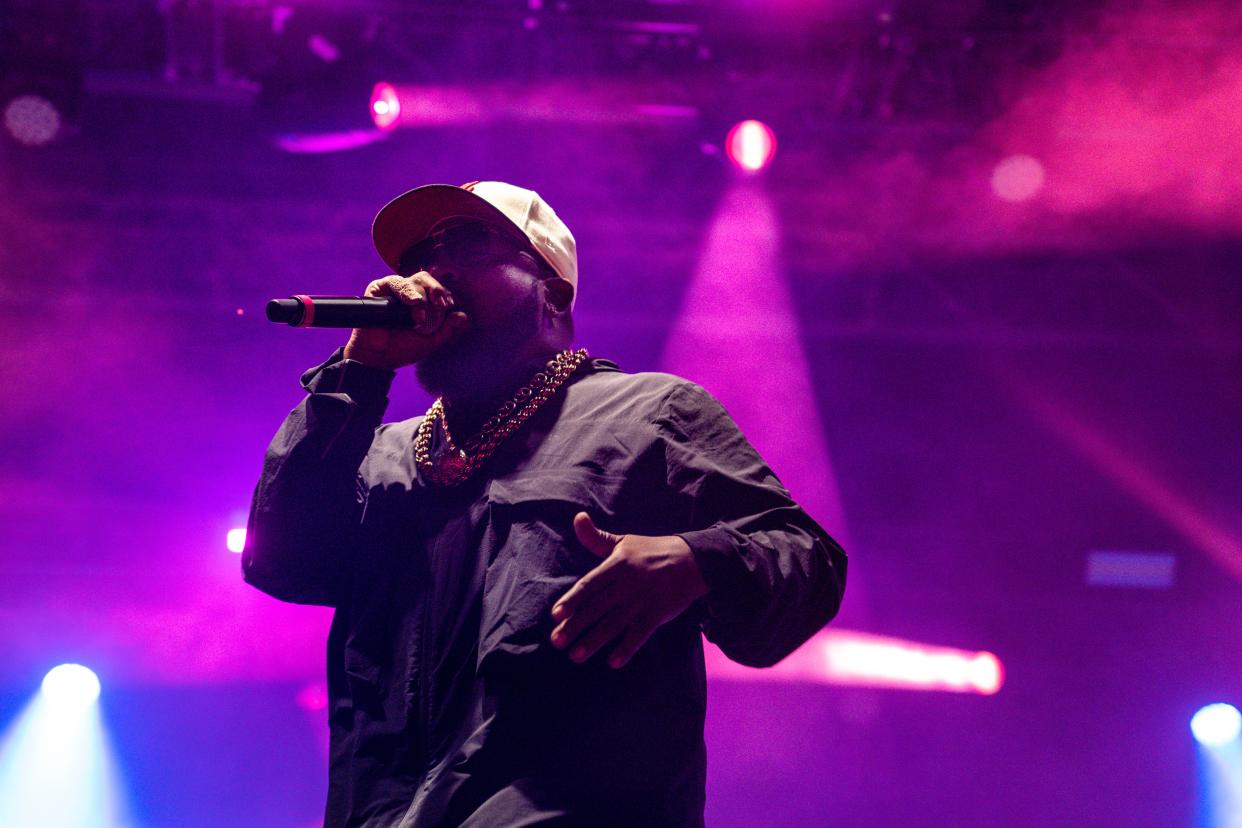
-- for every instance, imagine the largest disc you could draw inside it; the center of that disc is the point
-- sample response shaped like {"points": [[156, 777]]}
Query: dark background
{"points": [[1002, 387]]}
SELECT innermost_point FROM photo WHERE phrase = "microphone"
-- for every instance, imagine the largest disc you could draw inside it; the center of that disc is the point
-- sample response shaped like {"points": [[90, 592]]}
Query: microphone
{"points": [[341, 312]]}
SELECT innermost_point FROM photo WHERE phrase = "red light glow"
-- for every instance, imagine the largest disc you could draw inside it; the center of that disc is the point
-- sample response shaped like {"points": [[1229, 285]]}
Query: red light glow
{"points": [[750, 145], [385, 106]]}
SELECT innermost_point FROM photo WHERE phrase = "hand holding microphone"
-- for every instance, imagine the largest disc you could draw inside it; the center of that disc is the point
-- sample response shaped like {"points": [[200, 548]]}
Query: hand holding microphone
{"points": [[381, 338], [431, 309]]}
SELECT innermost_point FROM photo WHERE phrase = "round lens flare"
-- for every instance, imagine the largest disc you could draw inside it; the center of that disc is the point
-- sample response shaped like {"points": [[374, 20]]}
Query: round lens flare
{"points": [[32, 120], [71, 686], [751, 145], [1216, 724], [385, 106], [1017, 178]]}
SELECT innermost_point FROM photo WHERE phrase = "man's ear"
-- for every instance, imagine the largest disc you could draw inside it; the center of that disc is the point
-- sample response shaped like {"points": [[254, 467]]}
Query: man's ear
{"points": [[558, 293]]}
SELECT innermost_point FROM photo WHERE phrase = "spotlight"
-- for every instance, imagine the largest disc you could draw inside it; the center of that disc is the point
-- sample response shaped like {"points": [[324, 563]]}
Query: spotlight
{"points": [[1216, 724], [385, 106], [986, 675], [750, 145], [235, 540], [32, 120], [71, 686], [855, 658]]}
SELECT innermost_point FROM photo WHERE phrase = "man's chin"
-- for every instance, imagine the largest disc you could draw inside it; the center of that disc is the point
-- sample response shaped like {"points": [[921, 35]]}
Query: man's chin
{"points": [[454, 369], [438, 374], [476, 363]]}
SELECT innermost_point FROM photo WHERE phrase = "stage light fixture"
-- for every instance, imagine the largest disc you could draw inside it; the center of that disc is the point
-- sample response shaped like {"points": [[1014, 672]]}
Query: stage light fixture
{"points": [[751, 145], [1216, 725], [70, 686], [385, 106], [235, 540]]}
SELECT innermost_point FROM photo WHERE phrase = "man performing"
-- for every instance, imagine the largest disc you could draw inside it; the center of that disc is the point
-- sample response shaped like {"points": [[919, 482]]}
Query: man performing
{"points": [[521, 576]]}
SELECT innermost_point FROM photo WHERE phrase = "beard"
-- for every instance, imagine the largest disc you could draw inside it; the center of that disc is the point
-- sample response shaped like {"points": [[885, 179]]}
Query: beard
{"points": [[479, 361]]}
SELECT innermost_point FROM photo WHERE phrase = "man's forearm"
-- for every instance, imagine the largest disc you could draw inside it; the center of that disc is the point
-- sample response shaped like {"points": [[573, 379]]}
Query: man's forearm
{"points": [[308, 502]]}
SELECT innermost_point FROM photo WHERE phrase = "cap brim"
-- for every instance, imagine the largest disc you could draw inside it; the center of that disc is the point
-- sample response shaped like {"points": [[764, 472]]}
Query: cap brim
{"points": [[411, 217]]}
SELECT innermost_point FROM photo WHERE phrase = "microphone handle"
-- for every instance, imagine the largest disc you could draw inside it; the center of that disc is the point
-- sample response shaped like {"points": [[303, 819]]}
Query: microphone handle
{"points": [[341, 312]]}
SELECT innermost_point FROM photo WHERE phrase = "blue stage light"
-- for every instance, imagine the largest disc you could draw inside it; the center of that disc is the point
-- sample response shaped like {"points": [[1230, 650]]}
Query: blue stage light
{"points": [[57, 769], [71, 685], [1216, 724]]}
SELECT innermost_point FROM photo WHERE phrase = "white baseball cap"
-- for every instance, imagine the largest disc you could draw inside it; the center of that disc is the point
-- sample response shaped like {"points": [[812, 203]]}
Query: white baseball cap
{"points": [[413, 216]]}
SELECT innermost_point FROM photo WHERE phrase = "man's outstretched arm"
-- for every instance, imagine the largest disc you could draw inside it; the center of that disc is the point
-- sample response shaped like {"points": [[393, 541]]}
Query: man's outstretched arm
{"points": [[774, 576], [766, 575]]}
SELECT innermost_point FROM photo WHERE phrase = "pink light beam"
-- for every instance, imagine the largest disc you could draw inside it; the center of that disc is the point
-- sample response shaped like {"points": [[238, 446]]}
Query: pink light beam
{"points": [[1119, 464], [851, 658], [737, 335]]}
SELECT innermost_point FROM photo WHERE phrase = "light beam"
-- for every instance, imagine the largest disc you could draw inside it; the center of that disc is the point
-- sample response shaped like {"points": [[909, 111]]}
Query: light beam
{"points": [[56, 766], [859, 659]]}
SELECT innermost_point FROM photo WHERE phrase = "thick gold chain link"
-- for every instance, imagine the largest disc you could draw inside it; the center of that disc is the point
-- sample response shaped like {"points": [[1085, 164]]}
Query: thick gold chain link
{"points": [[461, 464]]}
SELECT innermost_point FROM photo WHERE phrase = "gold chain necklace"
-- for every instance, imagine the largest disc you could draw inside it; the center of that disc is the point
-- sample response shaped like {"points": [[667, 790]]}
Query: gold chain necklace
{"points": [[455, 466]]}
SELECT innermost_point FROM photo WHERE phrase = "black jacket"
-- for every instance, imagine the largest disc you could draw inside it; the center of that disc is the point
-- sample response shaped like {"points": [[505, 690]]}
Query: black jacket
{"points": [[447, 703]]}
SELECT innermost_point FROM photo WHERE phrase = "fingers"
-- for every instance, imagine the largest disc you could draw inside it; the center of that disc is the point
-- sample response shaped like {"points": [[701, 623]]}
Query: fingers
{"points": [[579, 595], [632, 630], [609, 627], [437, 295], [636, 636], [597, 541], [405, 290], [578, 615], [595, 624], [592, 613], [425, 296]]}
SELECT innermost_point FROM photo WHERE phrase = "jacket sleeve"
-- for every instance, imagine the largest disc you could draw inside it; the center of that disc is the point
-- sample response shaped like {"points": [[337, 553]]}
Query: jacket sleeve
{"points": [[307, 508], [775, 576]]}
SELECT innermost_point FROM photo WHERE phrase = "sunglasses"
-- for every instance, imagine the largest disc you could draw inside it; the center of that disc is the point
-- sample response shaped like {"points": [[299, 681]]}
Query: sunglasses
{"points": [[465, 247]]}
